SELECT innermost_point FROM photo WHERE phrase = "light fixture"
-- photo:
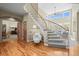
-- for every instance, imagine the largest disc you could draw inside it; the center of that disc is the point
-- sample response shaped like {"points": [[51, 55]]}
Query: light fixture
{"points": [[55, 10]]}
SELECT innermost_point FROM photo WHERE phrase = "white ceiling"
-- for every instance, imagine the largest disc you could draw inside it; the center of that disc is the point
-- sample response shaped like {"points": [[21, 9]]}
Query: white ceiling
{"points": [[16, 8], [49, 8]]}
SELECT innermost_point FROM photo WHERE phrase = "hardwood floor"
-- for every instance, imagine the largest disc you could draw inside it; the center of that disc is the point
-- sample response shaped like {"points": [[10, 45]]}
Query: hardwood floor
{"points": [[74, 51], [21, 48]]}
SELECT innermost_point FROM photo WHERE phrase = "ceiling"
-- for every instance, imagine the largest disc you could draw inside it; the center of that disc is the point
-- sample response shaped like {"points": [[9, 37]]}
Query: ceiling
{"points": [[15, 8], [50, 8]]}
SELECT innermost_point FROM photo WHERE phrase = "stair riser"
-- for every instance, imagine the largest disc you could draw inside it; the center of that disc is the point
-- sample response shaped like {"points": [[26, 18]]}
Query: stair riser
{"points": [[53, 38], [57, 46], [52, 41], [52, 34]]}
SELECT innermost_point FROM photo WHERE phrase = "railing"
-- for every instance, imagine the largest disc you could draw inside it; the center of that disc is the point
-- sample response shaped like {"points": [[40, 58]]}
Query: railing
{"points": [[48, 20], [40, 16]]}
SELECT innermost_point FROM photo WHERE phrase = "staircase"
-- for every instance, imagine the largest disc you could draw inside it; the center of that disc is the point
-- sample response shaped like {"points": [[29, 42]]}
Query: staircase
{"points": [[55, 40], [36, 18], [50, 38], [38, 22]]}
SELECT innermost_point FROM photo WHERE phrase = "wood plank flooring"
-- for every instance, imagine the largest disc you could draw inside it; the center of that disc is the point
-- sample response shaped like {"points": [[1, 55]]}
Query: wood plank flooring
{"points": [[21, 48], [74, 51]]}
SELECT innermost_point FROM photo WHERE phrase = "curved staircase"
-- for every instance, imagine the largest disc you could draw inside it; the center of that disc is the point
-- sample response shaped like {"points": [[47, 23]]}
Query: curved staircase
{"points": [[51, 38]]}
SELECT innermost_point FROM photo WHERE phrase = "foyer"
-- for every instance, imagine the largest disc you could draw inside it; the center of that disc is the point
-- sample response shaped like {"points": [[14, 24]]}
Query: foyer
{"points": [[39, 29]]}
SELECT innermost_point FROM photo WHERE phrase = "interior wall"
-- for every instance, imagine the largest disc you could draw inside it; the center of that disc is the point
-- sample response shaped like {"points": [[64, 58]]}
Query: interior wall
{"points": [[29, 26], [78, 27], [74, 30], [19, 26], [24, 31], [0, 29]]}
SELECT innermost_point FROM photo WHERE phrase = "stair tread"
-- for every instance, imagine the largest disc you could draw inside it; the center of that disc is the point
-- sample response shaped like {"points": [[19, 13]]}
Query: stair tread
{"points": [[51, 33], [57, 43], [54, 37], [57, 39], [58, 46]]}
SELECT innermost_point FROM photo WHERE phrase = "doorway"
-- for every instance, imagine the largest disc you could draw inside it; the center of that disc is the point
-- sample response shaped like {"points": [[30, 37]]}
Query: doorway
{"points": [[9, 29]]}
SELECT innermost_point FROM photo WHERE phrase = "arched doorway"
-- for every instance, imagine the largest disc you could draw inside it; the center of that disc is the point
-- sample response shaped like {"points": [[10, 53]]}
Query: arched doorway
{"points": [[9, 29], [12, 29]]}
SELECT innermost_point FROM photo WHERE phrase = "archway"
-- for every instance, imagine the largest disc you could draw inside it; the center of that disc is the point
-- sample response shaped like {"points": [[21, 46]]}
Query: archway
{"points": [[16, 28]]}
